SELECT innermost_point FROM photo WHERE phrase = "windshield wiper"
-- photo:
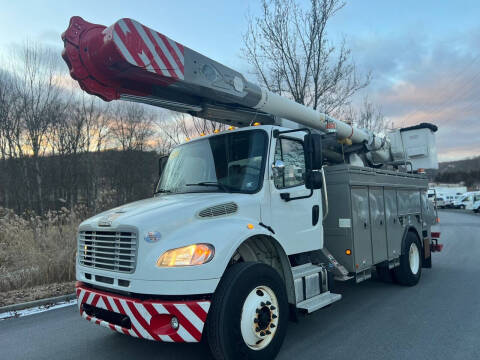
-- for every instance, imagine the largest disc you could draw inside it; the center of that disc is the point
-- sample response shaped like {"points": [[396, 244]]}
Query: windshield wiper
{"points": [[223, 187]]}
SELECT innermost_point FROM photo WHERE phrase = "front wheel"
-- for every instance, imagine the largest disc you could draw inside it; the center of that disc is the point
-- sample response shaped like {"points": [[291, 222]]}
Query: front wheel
{"points": [[410, 269], [249, 314]]}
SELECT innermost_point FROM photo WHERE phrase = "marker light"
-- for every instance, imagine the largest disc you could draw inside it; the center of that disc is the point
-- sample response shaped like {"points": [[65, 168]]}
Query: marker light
{"points": [[250, 226], [196, 254], [216, 131], [348, 252], [202, 134], [257, 124], [230, 128], [187, 139]]}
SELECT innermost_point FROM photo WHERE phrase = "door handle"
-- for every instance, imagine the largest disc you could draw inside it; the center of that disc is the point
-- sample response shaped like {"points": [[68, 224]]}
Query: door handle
{"points": [[315, 214]]}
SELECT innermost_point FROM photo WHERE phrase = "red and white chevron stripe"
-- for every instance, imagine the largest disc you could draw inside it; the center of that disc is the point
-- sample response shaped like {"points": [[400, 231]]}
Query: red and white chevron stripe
{"points": [[144, 47], [150, 318]]}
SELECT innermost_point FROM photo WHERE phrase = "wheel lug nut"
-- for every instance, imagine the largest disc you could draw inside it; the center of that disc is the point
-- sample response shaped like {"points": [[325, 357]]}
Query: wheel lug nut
{"points": [[268, 332], [262, 304], [268, 303], [274, 316], [257, 329], [272, 325], [262, 334], [257, 310], [255, 320], [272, 307]]}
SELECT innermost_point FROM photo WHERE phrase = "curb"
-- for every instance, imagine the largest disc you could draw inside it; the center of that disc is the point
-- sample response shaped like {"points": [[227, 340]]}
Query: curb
{"points": [[30, 304]]}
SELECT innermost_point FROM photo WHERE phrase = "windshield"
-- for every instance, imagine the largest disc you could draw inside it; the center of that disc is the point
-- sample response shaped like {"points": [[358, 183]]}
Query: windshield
{"points": [[231, 162]]}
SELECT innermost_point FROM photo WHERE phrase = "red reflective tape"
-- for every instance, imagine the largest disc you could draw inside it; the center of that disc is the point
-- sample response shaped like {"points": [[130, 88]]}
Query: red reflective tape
{"points": [[125, 331], [435, 235], [107, 303], [136, 332], [141, 320], [112, 327], [119, 306], [184, 321], [172, 51], [127, 41], [151, 310], [160, 53], [85, 296], [98, 322], [198, 310], [95, 300], [145, 49], [176, 338]]}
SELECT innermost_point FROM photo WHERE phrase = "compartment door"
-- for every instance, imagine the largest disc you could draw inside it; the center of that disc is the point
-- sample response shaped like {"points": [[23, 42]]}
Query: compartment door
{"points": [[394, 229], [377, 220], [361, 228]]}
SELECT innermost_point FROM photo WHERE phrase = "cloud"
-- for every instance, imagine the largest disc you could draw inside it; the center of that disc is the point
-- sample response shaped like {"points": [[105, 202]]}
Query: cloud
{"points": [[418, 78]]}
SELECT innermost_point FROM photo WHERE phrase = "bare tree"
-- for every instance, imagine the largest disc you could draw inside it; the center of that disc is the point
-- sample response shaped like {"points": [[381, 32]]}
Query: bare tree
{"points": [[368, 116], [180, 127], [37, 86], [131, 126], [291, 55]]}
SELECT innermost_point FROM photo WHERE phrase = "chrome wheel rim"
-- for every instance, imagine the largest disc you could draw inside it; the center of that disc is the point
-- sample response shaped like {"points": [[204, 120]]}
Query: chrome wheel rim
{"points": [[259, 319], [414, 258]]}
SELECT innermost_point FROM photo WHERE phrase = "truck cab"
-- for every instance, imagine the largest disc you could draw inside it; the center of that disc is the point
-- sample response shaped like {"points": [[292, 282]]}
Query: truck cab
{"points": [[217, 191]]}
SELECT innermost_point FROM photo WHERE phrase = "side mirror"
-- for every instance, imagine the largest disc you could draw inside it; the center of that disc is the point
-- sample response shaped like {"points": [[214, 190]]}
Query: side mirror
{"points": [[161, 164], [313, 152], [313, 161], [314, 180]]}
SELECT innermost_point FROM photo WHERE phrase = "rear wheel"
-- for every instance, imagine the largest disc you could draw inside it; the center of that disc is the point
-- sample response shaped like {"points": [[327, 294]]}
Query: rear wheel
{"points": [[410, 269], [249, 314]]}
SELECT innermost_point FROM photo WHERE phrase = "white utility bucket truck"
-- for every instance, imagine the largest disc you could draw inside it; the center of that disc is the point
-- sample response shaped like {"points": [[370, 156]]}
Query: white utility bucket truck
{"points": [[247, 227]]}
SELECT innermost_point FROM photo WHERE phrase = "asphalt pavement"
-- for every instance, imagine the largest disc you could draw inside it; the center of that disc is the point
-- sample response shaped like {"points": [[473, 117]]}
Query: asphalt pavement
{"points": [[437, 319]]}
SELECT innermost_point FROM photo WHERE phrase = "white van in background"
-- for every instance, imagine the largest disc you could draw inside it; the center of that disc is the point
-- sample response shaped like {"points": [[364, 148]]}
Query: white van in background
{"points": [[467, 200]]}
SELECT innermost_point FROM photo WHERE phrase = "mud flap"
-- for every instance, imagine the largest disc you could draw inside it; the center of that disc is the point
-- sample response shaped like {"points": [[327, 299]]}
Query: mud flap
{"points": [[427, 255]]}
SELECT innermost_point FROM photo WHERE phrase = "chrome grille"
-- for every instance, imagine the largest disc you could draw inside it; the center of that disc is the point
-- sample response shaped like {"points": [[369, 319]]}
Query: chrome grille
{"points": [[219, 210], [108, 250]]}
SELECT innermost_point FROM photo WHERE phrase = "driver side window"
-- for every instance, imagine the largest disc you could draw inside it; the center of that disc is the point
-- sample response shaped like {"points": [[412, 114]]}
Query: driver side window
{"points": [[292, 154]]}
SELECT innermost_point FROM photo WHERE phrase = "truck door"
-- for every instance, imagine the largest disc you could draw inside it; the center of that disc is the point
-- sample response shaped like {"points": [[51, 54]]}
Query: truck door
{"points": [[298, 222], [377, 221]]}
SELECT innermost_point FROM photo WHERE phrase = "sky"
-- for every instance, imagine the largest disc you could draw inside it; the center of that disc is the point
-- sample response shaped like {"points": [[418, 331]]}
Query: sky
{"points": [[424, 56]]}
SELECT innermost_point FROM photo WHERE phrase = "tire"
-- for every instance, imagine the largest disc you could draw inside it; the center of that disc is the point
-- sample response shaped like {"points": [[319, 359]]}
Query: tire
{"points": [[235, 301], [410, 269]]}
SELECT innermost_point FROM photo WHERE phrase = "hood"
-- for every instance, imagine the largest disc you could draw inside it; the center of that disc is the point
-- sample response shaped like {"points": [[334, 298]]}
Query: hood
{"points": [[172, 210]]}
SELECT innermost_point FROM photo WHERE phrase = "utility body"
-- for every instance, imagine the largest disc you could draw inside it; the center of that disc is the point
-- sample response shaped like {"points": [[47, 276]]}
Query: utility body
{"points": [[247, 227]]}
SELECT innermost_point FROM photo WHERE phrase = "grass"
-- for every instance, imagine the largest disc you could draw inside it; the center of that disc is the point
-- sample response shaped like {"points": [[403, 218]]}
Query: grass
{"points": [[38, 250]]}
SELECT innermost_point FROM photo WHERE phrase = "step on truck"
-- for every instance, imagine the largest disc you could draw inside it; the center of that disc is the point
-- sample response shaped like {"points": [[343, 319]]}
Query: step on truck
{"points": [[251, 226]]}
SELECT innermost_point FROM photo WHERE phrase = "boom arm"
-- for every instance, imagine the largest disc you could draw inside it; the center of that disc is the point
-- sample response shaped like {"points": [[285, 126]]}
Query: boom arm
{"points": [[130, 61]]}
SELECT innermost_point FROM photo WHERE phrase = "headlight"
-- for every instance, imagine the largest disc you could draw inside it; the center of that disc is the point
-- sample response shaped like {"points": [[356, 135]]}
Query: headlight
{"points": [[196, 254]]}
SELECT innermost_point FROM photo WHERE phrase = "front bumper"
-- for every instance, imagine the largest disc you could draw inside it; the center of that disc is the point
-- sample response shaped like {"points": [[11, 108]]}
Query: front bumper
{"points": [[146, 319]]}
